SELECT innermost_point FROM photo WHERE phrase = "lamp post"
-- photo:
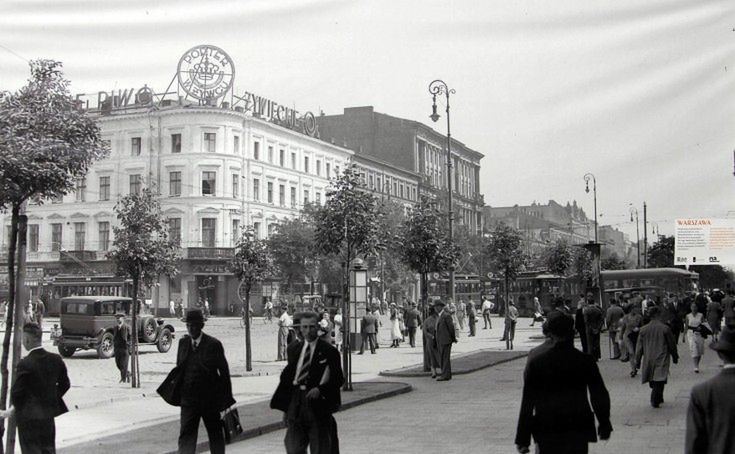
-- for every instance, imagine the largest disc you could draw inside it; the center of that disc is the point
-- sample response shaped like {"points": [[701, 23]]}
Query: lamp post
{"points": [[587, 178], [637, 232], [439, 87], [358, 307]]}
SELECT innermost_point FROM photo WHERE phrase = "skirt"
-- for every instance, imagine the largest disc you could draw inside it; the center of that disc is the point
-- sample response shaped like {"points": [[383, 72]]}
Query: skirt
{"points": [[696, 343], [395, 330]]}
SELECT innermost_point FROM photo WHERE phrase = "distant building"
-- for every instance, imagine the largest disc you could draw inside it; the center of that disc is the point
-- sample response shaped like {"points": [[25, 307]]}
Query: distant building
{"points": [[414, 147]]}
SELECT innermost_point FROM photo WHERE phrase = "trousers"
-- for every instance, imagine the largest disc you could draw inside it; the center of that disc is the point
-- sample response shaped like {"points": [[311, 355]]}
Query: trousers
{"points": [[37, 436], [412, 335], [471, 321], [122, 359], [657, 392], [190, 415], [445, 359], [368, 338], [282, 343], [488, 321], [593, 343], [613, 335], [306, 429]]}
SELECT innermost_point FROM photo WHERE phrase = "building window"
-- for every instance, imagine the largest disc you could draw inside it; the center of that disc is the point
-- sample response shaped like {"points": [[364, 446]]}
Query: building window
{"points": [[318, 198], [32, 237], [209, 183], [293, 197], [282, 158], [293, 161], [370, 182], [175, 143], [282, 195], [104, 230], [235, 185], [256, 189], [236, 144], [306, 164], [135, 146], [270, 154], [270, 192], [209, 237], [318, 167], [401, 191], [210, 142], [79, 234], [395, 188], [256, 151], [104, 188], [135, 184], [413, 193], [377, 184], [174, 230], [306, 196], [328, 168], [235, 231], [256, 229], [336, 171], [174, 184], [80, 189], [56, 237], [271, 228]]}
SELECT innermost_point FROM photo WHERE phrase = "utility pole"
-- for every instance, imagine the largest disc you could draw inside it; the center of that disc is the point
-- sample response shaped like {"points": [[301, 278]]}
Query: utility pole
{"points": [[645, 237]]}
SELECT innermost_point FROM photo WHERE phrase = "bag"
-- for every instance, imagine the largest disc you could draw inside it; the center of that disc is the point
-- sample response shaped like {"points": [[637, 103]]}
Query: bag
{"points": [[169, 389], [537, 317], [705, 330], [231, 425]]}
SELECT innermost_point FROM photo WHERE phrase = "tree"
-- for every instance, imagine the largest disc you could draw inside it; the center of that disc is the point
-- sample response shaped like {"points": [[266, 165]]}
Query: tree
{"points": [[143, 251], [46, 143], [291, 246], [250, 264], [558, 257], [713, 276], [613, 262], [661, 253], [395, 275], [505, 251], [424, 247]]}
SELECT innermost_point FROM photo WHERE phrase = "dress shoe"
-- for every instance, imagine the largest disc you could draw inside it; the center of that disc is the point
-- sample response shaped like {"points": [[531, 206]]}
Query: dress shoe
{"points": [[443, 379], [359, 353]]}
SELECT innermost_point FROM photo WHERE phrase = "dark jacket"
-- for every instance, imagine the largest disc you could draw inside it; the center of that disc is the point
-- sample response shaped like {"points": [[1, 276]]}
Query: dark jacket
{"points": [[369, 324], [216, 387], [445, 333], [711, 416], [120, 338], [324, 356], [594, 318], [40, 383], [653, 351], [412, 318], [554, 407]]}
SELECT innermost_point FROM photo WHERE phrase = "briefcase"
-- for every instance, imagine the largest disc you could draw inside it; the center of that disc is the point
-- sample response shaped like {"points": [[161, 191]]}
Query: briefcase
{"points": [[231, 425], [169, 389]]}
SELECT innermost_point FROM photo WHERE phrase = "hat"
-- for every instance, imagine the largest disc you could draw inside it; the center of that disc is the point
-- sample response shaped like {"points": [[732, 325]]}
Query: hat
{"points": [[119, 315], [193, 316], [439, 303], [560, 325], [726, 343]]}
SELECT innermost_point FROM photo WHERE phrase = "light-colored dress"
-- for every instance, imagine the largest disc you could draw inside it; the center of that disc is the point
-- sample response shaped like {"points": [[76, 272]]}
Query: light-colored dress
{"points": [[395, 326], [338, 329], [694, 338]]}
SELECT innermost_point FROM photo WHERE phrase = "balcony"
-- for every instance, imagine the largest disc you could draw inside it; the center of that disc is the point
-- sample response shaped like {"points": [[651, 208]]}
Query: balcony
{"points": [[217, 253]]}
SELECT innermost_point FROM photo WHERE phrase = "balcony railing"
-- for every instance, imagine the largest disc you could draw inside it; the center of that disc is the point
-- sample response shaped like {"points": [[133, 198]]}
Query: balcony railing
{"points": [[222, 253]]}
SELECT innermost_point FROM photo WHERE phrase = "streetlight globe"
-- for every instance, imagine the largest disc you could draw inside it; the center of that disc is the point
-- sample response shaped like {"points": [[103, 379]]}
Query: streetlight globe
{"points": [[434, 117]]}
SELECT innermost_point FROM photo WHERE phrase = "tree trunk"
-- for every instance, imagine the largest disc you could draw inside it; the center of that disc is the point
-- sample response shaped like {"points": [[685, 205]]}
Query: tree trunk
{"points": [[425, 311], [248, 349], [135, 370], [507, 316], [9, 313]]}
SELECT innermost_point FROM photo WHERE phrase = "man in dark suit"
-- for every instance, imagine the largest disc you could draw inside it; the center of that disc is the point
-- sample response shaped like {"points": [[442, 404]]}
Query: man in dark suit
{"points": [[413, 321], [36, 395], [121, 347], [594, 318], [309, 392], [206, 389], [445, 337], [711, 415], [368, 331], [579, 325], [554, 408]]}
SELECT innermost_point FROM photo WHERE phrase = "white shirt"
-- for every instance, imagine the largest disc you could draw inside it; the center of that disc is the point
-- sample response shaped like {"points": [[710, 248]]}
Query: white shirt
{"points": [[301, 359], [285, 320], [487, 305]]}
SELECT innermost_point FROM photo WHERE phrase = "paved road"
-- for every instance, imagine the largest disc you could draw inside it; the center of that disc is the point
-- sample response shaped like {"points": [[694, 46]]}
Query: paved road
{"points": [[477, 413]]}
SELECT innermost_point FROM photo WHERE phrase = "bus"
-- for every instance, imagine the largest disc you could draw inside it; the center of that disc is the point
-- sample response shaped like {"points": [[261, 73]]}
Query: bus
{"points": [[85, 285], [652, 281], [541, 284], [466, 286]]}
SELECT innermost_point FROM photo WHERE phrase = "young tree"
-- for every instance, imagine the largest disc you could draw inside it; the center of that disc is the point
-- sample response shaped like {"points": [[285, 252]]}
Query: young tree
{"points": [[292, 247], [661, 253], [612, 262], [46, 142], [142, 251], [250, 264], [558, 257], [505, 250]]}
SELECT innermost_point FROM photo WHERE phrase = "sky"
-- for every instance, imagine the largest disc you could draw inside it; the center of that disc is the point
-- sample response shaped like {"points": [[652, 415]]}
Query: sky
{"points": [[639, 93]]}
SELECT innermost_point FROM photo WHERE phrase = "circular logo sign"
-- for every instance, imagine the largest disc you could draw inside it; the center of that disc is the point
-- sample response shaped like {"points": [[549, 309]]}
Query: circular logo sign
{"points": [[206, 72]]}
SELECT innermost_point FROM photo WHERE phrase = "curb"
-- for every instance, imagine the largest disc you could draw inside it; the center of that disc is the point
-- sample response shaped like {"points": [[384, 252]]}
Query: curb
{"points": [[417, 370]]}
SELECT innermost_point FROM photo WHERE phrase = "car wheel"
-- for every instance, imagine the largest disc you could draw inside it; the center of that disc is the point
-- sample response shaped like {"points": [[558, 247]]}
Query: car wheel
{"points": [[148, 333], [164, 341], [106, 348], [65, 351]]}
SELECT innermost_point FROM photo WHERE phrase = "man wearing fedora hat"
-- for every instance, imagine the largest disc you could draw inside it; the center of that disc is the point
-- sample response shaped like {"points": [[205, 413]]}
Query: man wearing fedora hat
{"points": [[445, 337], [711, 414], [206, 389], [121, 347]]}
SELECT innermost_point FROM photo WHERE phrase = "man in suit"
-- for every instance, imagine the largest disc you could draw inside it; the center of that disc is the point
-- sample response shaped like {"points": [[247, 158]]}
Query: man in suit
{"points": [[579, 325], [308, 392], [368, 332], [555, 409], [413, 321], [471, 316], [612, 321], [728, 308], [594, 318], [36, 395], [445, 336], [206, 389], [121, 347], [711, 414], [654, 349]]}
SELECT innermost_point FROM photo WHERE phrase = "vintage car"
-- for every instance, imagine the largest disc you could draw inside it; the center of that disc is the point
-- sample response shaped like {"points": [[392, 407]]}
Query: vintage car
{"points": [[87, 323]]}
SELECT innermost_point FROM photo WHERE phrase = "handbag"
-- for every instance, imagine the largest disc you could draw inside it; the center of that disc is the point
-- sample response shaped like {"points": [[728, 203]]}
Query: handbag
{"points": [[169, 389], [231, 425], [705, 330]]}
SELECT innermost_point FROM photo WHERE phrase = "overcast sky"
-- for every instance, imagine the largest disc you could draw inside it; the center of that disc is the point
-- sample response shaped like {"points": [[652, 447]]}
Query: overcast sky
{"points": [[640, 93]]}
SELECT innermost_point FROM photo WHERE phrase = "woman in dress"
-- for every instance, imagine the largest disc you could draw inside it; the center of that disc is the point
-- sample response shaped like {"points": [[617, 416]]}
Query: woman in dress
{"points": [[325, 328], [694, 335], [395, 326], [338, 329], [714, 315]]}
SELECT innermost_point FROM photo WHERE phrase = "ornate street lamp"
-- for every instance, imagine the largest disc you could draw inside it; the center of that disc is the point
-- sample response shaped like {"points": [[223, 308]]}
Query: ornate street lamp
{"points": [[587, 178], [439, 87], [634, 210]]}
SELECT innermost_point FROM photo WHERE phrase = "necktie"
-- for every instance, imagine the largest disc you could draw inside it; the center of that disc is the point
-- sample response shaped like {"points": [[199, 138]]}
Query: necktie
{"points": [[305, 365]]}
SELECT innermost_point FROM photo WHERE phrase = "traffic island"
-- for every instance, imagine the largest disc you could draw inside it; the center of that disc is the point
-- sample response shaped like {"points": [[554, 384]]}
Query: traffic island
{"points": [[257, 418], [464, 364]]}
